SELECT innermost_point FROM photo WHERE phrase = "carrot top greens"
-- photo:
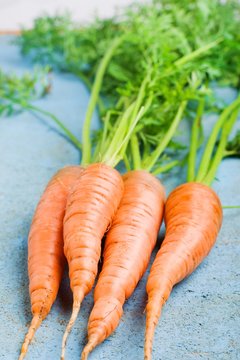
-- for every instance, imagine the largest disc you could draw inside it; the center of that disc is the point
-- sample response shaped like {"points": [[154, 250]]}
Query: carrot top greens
{"points": [[16, 91], [180, 26], [153, 63], [166, 56]]}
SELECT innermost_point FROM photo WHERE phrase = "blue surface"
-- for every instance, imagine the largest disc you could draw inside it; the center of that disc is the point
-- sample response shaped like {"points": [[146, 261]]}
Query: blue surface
{"points": [[201, 320]]}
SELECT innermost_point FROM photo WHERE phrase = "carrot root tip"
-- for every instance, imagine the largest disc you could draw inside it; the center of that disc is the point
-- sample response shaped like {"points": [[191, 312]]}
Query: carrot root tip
{"points": [[148, 341], [153, 312], [35, 323], [88, 348], [73, 318]]}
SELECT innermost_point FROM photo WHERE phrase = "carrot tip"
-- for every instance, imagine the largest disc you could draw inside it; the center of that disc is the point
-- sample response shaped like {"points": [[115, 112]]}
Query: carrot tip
{"points": [[153, 311], [35, 323], [75, 311], [87, 349], [148, 342]]}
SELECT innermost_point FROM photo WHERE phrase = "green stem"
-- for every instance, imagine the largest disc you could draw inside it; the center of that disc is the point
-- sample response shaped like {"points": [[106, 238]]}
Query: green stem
{"points": [[88, 85], [127, 162], [132, 112], [189, 57], [205, 161], [135, 151], [196, 53], [165, 168], [152, 159], [194, 142], [221, 148], [86, 138], [67, 132], [121, 101], [119, 130], [147, 105], [230, 153], [100, 145], [231, 207], [117, 156], [140, 97]]}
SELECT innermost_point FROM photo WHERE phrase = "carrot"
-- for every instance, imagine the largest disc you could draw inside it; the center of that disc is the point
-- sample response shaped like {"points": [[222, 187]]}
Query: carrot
{"points": [[91, 207], [193, 216], [45, 248], [127, 251]]}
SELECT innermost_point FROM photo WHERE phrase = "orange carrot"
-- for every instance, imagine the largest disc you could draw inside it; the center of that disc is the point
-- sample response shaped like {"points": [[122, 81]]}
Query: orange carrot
{"points": [[127, 251], [193, 217], [45, 247], [91, 207]]}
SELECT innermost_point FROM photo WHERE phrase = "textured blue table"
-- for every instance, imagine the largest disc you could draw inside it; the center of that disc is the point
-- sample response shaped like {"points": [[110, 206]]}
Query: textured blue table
{"points": [[201, 320]]}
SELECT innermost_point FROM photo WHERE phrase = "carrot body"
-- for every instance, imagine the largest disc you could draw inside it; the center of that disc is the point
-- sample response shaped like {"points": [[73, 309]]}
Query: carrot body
{"points": [[45, 247], [90, 210], [193, 217], [129, 244]]}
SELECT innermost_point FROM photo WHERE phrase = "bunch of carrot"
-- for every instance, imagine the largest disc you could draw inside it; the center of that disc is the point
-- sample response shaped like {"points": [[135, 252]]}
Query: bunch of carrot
{"points": [[83, 203]]}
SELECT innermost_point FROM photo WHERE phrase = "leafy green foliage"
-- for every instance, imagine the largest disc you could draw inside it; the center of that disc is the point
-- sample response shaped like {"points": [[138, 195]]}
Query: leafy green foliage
{"points": [[160, 40], [17, 91], [165, 29]]}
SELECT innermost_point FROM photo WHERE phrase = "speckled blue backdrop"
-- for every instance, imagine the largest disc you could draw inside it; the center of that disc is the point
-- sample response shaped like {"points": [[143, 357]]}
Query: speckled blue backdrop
{"points": [[201, 320]]}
